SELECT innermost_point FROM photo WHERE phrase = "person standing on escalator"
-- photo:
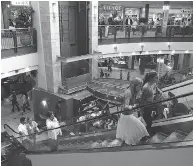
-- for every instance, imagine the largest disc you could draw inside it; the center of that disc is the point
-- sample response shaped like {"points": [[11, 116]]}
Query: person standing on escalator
{"points": [[130, 130], [150, 94]]}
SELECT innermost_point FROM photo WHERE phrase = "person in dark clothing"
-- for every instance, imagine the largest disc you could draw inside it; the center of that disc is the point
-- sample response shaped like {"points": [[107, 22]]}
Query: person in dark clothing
{"points": [[149, 95], [58, 110], [102, 73], [14, 101], [177, 109]]}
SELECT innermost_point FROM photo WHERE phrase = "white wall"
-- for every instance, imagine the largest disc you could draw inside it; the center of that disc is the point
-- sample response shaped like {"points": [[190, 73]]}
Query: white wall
{"points": [[9, 65], [154, 46], [164, 157]]}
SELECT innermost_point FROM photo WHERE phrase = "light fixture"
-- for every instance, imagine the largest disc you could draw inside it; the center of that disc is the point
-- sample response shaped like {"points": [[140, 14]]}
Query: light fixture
{"points": [[54, 9], [133, 53], [166, 7], [169, 45], [142, 46], [44, 103], [186, 52], [8, 5], [27, 69], [160, 52], [115, 47], [160, 60], [146, 52], [173, 52], [95, 13]]}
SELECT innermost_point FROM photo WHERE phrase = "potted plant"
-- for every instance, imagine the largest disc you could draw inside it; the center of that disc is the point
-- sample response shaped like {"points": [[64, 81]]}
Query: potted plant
{"points": [[22, 16]]}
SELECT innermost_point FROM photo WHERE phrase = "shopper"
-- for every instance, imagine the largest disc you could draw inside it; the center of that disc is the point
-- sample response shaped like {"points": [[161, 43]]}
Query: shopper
{"points": [[22, 128], [102, 73], [150, 94], [58, 110], [121, 74], [130, 129], [14, 101], [53, 133]]}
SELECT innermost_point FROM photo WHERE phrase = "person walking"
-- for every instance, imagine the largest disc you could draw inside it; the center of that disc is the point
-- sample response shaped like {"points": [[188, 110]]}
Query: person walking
{"points": [[14, 101]]}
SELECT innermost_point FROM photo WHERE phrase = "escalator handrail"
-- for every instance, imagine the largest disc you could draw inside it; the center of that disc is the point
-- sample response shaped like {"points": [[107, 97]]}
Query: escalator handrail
{"points": [[10, 128], [106, 116], [177, 87]]}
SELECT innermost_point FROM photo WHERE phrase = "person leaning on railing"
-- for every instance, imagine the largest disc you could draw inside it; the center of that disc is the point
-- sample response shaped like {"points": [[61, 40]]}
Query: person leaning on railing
{"points": [[13, 32]]}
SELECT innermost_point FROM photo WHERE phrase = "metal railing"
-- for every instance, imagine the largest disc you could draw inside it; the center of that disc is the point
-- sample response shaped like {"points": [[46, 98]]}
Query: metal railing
{"points": [[84, 124], [17, 39], [141, 33]]}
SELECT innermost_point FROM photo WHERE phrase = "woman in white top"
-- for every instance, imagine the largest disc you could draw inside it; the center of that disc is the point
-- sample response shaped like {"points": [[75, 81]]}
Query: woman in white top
{"points": [[53, 133], [130, 129]]}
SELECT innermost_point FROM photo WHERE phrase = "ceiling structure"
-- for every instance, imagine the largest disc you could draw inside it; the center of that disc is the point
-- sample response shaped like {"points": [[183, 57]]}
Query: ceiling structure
{"points": [[153, 4]]}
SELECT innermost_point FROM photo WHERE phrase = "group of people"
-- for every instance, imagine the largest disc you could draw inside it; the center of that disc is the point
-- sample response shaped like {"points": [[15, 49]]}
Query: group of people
{"points": [[29, 128], [25, 101], [135, 126]]}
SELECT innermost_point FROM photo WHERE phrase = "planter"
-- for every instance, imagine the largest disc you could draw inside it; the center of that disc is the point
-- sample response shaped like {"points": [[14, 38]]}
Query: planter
{"points": [[25, 40]]}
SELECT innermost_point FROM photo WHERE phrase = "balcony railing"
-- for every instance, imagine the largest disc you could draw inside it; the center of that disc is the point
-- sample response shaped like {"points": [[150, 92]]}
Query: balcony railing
{"points": [[18, 42], [109, 34]]}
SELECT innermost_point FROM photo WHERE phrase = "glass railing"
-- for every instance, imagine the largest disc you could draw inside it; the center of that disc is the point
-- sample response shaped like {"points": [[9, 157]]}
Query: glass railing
{"points": [[89, 127], [18, 42], [108, 34]]}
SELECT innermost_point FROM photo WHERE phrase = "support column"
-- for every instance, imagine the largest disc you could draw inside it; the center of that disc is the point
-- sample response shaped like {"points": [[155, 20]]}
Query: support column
{"points": [[166, 9], [146, 13], [93, 36], [47, 25]]}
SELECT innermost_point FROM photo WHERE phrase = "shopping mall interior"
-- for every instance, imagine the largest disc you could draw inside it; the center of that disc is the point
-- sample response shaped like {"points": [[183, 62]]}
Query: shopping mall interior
{"points": [[96, 79]]}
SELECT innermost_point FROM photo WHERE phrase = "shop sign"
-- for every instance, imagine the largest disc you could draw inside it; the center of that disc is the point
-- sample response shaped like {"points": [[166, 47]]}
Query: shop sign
{"points": [[111, 7], [20, 3], [187, 11]]}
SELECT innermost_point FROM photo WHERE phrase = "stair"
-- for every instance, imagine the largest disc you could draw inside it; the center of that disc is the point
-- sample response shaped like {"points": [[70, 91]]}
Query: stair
{"points": [[175, 137], [189, 136], [157, 138]]}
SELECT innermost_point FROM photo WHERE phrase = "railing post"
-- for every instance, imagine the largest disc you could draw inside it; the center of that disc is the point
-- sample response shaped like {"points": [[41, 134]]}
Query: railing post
{"points": [[100, 33], [115, 33], [14, 33], [129, 32], [34, 37]]}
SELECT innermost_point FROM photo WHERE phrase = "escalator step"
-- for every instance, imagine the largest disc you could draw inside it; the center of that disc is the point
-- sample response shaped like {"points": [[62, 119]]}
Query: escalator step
{"points": [[174, 137], [189, 137], [157, 138]]}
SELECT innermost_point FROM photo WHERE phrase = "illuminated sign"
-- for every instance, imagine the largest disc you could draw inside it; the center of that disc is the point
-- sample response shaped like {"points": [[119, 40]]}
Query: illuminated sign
{"points": [[111, 7], [20, 3]]}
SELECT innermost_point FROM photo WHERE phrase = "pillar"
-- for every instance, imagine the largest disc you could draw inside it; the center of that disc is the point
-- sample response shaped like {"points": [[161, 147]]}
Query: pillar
{"points": [[93, 35], [2, 22], [146, 13], [46, 22], [166, 9]]}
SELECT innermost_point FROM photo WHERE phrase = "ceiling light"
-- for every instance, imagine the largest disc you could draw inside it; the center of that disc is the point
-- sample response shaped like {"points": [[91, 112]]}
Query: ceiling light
{"points": [[44, 103], [186, 51]]}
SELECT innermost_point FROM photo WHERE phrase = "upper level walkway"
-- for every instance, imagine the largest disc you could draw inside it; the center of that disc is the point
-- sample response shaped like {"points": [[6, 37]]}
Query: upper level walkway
{"points": [[111, 34]]}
